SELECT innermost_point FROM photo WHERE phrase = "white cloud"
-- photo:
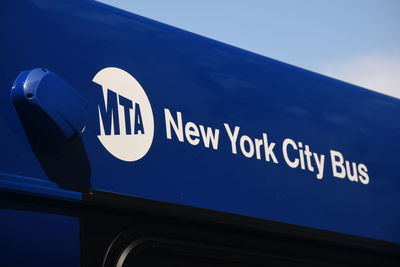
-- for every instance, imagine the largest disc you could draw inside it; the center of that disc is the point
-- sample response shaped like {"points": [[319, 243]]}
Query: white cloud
{"points": [[378, 71]]}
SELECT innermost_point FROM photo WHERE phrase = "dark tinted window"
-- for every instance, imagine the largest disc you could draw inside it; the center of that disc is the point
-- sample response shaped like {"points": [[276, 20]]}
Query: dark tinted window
{"points": [[151, 253], [151, 259]]}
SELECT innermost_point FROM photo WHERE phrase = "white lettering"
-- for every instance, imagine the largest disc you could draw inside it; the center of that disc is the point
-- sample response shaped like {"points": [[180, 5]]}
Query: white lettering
{"points": [[286, 142], [269, 149], [337, 162], [248, 140], [178, 129], [209, 136], [320, 165], [232, 136], [192, 133]]}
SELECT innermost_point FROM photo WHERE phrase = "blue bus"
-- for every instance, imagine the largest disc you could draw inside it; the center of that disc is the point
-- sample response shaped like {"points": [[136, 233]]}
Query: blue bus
{"points": [[127, 142]]}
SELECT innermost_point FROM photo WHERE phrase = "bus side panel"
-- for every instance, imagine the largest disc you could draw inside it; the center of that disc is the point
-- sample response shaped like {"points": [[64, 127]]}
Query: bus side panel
{"points": [[32, 236]]}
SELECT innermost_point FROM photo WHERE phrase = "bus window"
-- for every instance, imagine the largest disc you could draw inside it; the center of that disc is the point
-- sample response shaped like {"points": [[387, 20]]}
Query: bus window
{"points": [[158, 252]]}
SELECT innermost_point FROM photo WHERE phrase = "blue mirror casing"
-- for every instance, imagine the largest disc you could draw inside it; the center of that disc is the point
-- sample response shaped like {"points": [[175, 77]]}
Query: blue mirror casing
{"points": [[52, 112]]}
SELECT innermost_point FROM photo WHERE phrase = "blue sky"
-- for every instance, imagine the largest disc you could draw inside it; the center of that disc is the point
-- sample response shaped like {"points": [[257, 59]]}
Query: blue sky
{"points": [[353, 40]]}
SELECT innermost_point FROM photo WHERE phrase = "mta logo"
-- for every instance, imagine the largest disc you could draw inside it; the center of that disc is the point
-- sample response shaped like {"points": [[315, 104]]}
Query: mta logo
{"points": [[126, 124], [109, 114]]}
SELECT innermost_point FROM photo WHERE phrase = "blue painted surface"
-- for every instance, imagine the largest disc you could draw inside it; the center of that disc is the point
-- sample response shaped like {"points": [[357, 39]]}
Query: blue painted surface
{"points": [[56, 110], [211, 83], [32, 238], [36, 187]]}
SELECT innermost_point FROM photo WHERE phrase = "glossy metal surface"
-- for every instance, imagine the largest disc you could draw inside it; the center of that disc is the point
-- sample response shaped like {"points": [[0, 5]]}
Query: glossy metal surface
{"points": [[211, 83], [37, 238], [52, 112]]}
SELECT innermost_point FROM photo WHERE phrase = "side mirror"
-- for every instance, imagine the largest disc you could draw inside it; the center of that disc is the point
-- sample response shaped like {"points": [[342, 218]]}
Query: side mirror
{"points": [[50, 109]]}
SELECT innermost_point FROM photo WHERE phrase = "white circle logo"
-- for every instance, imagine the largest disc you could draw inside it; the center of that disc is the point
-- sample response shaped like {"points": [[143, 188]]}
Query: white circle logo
{"points": [[126, 123]]}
